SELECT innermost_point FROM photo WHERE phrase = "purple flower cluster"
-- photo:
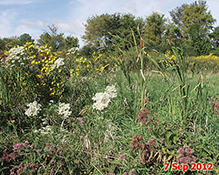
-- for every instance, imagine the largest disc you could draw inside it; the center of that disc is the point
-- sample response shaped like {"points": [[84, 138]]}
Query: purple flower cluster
{"points": [[8, 157], [185, 155], [21, 167], [18, 146], [51, 147]]}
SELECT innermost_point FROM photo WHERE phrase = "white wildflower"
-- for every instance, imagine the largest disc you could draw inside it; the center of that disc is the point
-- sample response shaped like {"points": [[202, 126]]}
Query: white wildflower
{"points": [[14, 55], [57, 63], [64, 109], [111, 90], [102, 100], [44, 130], [45, 121], [50, 102], [72, 50], [33, 109]]}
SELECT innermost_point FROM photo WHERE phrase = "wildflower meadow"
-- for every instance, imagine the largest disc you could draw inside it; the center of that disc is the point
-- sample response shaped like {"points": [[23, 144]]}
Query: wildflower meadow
{"points": [[132, 112]]}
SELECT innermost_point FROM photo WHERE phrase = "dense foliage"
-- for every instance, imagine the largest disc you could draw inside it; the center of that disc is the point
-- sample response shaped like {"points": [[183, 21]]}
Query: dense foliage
{"points": [[116, 106]]}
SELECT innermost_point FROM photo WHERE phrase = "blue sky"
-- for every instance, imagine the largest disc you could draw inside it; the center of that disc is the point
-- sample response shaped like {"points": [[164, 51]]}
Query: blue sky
{"points": [[33, 16]]}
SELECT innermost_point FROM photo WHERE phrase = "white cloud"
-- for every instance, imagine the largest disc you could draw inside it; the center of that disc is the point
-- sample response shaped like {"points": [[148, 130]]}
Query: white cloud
{"points": [[6, 22], [35, 29], [73, 27], [15, 2], [32, 24]]}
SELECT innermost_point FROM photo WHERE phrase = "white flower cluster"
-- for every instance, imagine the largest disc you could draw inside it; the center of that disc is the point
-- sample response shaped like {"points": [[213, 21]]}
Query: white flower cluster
{"points": [[33, 109], [14, 56], [72, 50], [64, 109], [111, 90], [44, 130], [57, 63], [103, 99]]}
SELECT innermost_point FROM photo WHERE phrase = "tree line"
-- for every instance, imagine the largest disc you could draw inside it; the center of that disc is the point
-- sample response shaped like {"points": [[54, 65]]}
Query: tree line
{"points": [[190, 28]]}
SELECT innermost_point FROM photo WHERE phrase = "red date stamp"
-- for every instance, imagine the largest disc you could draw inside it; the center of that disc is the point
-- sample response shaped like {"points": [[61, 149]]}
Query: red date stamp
{"points": [[184, 167]]}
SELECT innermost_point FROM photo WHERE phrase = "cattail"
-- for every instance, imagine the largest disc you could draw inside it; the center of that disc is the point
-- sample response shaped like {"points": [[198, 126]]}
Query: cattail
{"points": [[141, 44]]}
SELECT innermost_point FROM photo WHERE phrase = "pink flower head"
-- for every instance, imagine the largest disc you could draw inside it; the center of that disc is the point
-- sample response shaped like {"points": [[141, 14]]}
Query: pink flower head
{"points": [[18, 146], [188, 150], [123, 156], [8, 157], [132, 172], [151, 142], [181, 151], [81, 120], [38, 151]]}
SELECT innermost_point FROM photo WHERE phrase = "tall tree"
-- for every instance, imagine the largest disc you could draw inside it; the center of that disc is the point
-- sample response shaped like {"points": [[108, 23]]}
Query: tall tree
{"points": [[52, 38], [190, 18], [215, 40], [155, 32], [57, 40], [24, 38], [71, 42], [98, 29]]}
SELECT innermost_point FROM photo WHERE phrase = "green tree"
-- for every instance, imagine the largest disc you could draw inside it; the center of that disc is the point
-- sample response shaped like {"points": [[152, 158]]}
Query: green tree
{"points": [[57, 40], [214, 36], [189, 18], [24, 38], [71, 42], [52, 38], [99, 29], [8, 43], [155, 32]]}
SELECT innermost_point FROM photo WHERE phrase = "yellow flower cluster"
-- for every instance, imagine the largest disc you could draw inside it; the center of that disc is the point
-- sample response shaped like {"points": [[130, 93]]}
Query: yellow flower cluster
{"points": [[169, 58], [203, 61], [39, 63], [82, 67], [208, 58]]}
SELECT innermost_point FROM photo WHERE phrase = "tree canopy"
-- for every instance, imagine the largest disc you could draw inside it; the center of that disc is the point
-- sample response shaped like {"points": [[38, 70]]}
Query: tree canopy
{"points": [[57, 40], [194, 23], [99, 29]]}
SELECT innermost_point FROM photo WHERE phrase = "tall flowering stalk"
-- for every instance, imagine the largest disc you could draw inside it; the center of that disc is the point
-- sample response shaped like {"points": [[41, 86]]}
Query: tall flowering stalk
{"points": [[132, 56]]}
